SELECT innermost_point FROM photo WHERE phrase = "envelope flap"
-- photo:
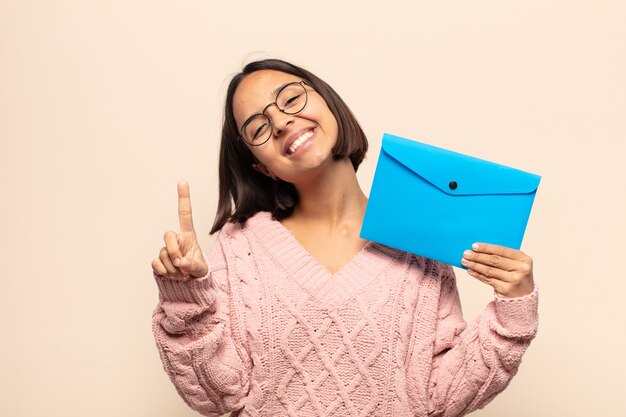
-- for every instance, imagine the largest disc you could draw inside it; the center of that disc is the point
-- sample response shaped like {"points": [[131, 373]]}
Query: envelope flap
{"points": [[455, 173]]}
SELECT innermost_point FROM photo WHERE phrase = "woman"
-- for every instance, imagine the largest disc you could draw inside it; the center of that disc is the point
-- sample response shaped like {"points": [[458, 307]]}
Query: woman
{"points": [[291, 313]]}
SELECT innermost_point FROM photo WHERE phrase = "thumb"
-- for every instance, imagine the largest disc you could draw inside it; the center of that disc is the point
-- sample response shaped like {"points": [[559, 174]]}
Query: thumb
{"points": [[193, 267]]}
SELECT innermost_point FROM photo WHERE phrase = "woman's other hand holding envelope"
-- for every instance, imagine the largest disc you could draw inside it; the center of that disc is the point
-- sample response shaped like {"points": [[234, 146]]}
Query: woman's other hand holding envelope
{"points": [[508, 271]]}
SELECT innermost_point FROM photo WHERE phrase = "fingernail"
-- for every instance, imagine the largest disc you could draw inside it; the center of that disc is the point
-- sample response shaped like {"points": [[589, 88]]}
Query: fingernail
{"points": [[464, 261], [475, 246], [467, 253], [177, 262]]}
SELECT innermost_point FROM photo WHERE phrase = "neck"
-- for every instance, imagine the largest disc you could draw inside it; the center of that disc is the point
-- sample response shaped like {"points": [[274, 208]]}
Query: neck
{"points": [[333, 196]]}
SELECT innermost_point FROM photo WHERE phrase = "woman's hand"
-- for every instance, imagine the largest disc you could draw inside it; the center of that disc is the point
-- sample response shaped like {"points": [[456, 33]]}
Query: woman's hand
{"points": [[181, 257], [508, 271]]}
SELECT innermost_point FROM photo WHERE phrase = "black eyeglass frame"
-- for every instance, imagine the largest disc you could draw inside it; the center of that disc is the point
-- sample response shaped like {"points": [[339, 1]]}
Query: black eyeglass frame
{"points": [[303, 83]]}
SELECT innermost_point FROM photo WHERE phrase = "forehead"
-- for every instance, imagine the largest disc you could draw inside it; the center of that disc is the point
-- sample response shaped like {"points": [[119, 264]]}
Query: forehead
{"points": [[258, 89]]}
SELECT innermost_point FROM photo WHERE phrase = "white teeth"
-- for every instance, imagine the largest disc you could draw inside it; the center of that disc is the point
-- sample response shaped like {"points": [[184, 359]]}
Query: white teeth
{"points": [[296, 143]]}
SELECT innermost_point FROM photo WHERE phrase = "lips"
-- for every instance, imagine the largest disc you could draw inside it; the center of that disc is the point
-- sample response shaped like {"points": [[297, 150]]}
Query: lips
{"points": [[298, 138]]}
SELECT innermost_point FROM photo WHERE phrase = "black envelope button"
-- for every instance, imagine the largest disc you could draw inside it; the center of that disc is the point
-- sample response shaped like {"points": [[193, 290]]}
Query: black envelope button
{"points": [[453, 185]]}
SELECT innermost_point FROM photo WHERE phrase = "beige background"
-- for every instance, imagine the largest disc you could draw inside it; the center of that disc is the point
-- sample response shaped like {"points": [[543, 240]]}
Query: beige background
{"points": [[104, 105]]}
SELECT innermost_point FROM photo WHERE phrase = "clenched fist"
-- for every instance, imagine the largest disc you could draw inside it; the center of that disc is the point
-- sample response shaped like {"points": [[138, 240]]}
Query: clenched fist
{"points": [[181, 258]]}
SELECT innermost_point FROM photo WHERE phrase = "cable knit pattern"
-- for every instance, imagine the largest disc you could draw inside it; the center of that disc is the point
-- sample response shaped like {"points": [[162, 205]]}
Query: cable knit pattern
{"points": [[270, 332]]}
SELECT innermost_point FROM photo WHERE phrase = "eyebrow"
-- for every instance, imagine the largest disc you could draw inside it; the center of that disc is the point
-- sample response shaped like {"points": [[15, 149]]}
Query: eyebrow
{"points": [[280, 87], [276, 90]]}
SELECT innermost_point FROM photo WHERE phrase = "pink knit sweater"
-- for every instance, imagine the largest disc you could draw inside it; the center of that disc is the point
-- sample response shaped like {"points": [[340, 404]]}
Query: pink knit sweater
{"points": [[270, 332]]}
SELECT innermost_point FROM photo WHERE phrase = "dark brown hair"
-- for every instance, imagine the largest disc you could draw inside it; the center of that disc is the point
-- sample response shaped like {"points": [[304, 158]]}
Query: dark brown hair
{"points": [[250, 191]]}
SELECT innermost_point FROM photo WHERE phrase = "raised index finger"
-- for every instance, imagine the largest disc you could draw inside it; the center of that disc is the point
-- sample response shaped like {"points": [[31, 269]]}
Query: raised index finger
{"points": [[184, 208]]}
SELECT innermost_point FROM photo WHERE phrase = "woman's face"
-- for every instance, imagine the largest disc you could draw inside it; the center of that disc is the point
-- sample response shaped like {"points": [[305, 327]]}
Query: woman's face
{"points": [[299, 143]]}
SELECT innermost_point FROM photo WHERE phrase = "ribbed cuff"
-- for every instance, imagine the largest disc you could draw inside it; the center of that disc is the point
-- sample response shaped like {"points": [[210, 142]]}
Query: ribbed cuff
{"points": [[197, 290], [518, 316]]}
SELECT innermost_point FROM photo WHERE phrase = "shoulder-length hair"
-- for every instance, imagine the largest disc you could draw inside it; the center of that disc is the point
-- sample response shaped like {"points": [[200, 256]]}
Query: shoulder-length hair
{"points": [[243, 191]]}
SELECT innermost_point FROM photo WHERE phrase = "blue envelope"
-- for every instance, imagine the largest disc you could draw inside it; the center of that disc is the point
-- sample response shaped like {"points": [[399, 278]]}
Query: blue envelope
{"points": [[436, 203]]}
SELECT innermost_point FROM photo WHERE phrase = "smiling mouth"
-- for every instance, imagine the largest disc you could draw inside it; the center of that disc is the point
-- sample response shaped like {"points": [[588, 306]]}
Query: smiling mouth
{"points": [[298, 142]]}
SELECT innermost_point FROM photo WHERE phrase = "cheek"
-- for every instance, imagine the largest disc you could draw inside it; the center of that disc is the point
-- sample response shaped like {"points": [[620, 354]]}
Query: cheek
{"points": [[332, 128], [320, 112], [329, 120], [256, 152], [263, 154]]}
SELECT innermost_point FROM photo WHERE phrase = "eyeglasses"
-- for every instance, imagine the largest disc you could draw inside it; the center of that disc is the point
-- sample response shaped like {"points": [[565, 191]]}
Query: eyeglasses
{"points": [[290, 99]]}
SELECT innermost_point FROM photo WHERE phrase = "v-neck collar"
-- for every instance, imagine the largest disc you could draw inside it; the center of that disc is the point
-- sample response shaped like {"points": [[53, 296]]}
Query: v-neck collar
{"points": [[330, 289]]}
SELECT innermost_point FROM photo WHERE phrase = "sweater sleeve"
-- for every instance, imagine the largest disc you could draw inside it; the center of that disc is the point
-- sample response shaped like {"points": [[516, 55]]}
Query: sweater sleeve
{"points": [[473, 363], [191, 326]]}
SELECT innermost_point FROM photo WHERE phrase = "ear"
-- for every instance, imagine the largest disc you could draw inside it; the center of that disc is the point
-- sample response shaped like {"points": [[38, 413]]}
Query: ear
{"points": [[263, 169]]}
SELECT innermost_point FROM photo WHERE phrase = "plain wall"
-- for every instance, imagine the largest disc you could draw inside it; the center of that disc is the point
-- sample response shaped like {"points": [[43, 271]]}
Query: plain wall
{"points": [[105, 105]]}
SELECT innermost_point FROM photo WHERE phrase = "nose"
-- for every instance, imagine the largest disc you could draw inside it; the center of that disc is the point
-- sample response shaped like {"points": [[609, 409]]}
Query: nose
{"points": [[279, 120]]}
